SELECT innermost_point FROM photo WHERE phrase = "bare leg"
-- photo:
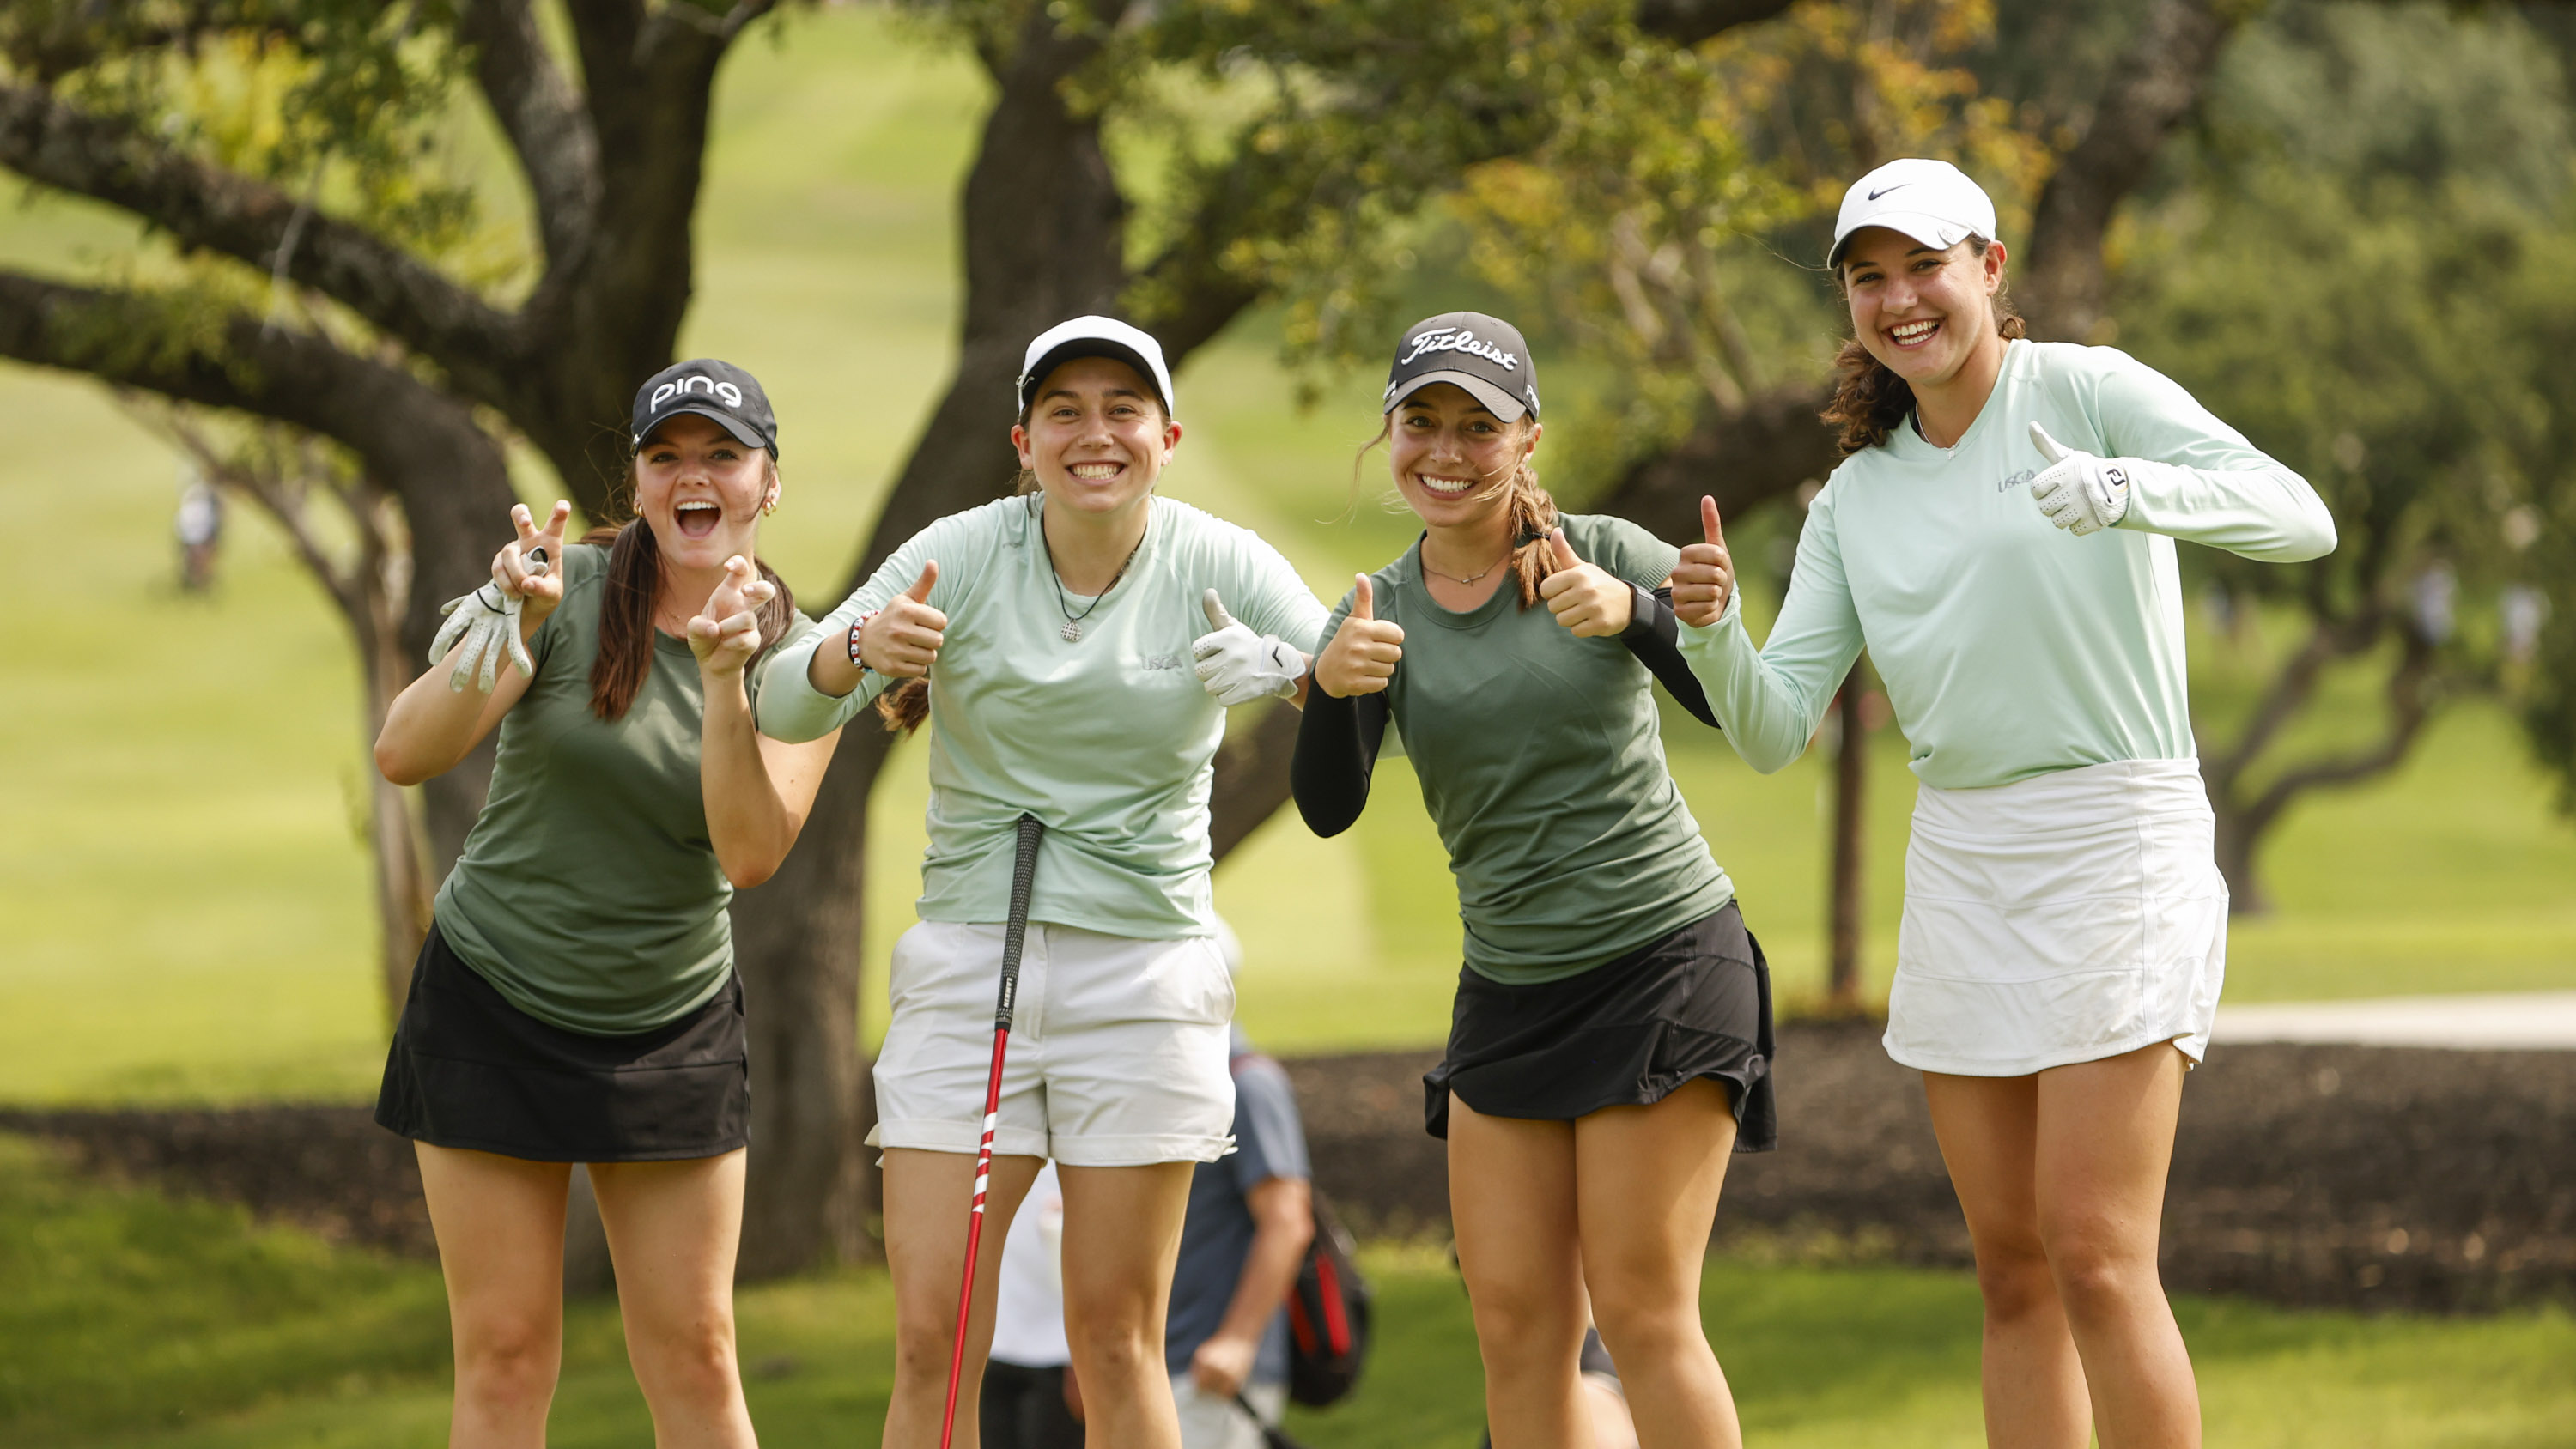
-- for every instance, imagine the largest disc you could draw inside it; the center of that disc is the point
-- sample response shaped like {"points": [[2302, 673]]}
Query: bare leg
{"points": [[1647, 1180], [2062, 1177], [1512, 1205], [1122, 1234], [500, 1225], [926, 1198], [2034, 1383], [673, 1231], [2106, 1132]]}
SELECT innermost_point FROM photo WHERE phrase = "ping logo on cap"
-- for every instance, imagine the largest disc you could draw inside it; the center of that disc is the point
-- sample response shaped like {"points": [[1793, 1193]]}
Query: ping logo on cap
{"points": [[679, 386]]}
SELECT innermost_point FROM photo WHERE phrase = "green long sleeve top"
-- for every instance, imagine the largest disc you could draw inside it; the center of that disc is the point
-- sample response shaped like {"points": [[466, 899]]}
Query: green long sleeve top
{"points": [[2009, 647]]}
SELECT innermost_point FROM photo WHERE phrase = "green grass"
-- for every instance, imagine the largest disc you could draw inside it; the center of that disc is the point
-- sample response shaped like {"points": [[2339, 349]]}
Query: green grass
{"points": [[133, 1320], [183, 911]]}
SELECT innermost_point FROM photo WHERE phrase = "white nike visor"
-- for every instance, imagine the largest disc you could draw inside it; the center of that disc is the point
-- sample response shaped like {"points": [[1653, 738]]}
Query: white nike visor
{"points": [[1933, 202]]}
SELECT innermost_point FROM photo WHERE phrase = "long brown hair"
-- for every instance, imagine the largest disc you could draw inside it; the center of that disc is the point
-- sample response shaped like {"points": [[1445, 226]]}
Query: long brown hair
{"points": [[1870, 401], [1531, 509], [626, 612]]}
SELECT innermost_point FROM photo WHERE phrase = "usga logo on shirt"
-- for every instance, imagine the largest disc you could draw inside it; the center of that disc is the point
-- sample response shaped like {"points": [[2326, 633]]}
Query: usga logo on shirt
{"points": [[731, 394]]}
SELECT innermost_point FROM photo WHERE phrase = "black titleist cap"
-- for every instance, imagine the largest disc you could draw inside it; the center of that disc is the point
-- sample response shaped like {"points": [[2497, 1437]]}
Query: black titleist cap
{"points": [[1485, 355], [711, 389]]}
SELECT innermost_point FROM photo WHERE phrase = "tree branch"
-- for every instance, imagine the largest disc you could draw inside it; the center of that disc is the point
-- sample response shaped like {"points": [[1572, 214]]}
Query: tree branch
{"points": [[542, 114], [1742, 459], [2155, 83], [1688, 22], [2410, 705], [206, 207]]}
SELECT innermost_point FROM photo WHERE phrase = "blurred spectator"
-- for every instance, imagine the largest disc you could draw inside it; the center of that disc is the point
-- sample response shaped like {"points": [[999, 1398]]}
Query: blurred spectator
{"points": [[199, 527], [1251, 1216], [2437, 597], [2524, 610], [1025, 1403]]}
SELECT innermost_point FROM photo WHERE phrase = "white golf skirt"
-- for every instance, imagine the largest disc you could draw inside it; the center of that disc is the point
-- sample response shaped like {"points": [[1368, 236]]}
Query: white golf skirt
{"points": [[2064, 918]]}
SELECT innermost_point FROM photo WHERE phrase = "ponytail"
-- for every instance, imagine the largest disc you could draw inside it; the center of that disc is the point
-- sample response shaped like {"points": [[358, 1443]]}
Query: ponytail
{"points": [[1533, 516], [1870, 401]]}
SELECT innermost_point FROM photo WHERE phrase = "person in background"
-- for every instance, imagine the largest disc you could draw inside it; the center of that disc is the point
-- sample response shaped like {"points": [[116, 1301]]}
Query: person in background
{"points": [[1025, 1402], [1251, 1216], [199, 529]]}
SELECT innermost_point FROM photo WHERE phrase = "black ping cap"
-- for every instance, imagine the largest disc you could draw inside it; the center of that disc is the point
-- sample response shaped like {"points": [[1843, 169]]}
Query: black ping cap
{"points": [[1485, 355], [711, 389]]}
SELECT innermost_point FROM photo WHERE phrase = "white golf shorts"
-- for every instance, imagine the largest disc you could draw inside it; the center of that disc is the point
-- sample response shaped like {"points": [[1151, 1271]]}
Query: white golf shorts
{"points": [[1117, 1054]]}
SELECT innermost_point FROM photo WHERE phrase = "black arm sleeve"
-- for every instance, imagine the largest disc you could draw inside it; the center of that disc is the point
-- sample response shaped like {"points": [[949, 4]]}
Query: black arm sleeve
{"points": [[1654, 636], [1337, 743]]}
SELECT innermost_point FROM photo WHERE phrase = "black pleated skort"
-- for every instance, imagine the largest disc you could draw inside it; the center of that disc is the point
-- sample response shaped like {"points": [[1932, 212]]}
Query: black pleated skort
{"points": [[470, 1070], [1695, 1003]]}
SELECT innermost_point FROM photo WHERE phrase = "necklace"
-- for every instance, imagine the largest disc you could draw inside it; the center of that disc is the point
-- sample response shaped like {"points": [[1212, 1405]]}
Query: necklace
{"points": [[1072, 630], [1471, 578]]}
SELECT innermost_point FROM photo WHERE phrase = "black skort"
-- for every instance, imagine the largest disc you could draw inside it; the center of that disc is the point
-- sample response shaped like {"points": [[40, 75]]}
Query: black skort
{"points": [[1695, 1003], [470, 1070]]}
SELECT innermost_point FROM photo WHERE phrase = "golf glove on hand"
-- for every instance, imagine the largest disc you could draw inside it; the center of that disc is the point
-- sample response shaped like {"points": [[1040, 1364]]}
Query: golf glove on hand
{"points": [[488, 621], [1239, 666], [2078, 491]]}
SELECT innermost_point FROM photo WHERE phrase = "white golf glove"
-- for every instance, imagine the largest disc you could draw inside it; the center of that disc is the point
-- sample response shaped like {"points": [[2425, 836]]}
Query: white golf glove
{"points": [[1239, 666], [488, 621], [2078, 491]]}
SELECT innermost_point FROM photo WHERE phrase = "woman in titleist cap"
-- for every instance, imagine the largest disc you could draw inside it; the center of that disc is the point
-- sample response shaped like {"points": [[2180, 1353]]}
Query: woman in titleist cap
{"points": [[2000, 536], [1611, 1039], [1074, 648], [576, 999]]}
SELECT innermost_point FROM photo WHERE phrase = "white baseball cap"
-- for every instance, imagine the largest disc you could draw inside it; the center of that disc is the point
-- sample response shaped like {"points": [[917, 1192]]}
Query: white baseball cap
{"points": [[1095, 337], [1933, 202]]}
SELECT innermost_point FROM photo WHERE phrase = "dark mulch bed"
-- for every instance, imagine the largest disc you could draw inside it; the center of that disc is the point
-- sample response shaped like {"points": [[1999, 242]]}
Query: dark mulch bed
{"points": [[2367, 1176]]}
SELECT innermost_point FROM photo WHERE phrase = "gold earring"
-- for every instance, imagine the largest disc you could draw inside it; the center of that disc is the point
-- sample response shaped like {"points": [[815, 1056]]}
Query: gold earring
{"points": [[769, 507]]}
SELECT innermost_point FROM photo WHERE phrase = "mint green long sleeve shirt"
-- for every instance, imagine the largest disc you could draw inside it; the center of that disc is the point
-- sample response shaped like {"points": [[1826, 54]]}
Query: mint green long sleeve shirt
{"points": [[2010, 648], [1108, 740]]}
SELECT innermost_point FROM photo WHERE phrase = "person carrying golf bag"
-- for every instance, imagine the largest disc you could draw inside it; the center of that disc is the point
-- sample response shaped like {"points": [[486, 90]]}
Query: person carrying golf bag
{"points": [[2000, 536], [1611, 1040], [1073, 648], [576, 999]]}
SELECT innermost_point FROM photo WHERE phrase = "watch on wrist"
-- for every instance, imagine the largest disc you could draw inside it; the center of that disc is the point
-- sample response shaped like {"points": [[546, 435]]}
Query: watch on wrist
{"points": [[1641, 610], [855, 657]]}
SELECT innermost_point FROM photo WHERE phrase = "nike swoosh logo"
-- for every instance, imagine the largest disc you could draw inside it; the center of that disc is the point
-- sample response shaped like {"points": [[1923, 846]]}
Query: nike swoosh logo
{"points": [[1875, 195]]}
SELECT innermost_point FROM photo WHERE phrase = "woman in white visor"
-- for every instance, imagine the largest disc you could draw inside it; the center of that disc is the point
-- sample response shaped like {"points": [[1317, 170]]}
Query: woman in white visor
{"points": [[2000, 537], [1074, 648]]}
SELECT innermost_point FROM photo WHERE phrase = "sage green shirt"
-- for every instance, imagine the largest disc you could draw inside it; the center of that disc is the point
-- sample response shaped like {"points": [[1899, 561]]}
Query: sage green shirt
{"points": [[588, 893], [1108, 739], [2011, 648], [1542, 765]]}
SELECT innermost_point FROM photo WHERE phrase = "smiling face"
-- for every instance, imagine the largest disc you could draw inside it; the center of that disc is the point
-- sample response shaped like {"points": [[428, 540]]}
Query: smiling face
{"points": [[1451, 455], [1923, 313], [701, 491], [1096, 437]]}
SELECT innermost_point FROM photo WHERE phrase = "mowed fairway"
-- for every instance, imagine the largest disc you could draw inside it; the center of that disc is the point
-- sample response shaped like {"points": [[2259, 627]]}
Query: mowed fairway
{"points": [[133, 1321]]}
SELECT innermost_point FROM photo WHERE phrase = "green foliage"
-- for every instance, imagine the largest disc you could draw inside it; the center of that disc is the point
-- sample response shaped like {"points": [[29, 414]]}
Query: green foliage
{"points": [[354, 93], [2364, 262]]}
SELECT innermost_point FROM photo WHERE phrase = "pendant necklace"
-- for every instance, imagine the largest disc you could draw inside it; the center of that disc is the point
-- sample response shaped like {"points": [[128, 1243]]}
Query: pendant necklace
{"points": [[1072, 630]]}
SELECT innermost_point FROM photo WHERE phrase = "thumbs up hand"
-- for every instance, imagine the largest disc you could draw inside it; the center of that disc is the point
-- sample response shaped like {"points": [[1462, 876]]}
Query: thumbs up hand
{"points": [[1585, 598], [726, 633], [1363, 653], [901, 640], [1705, 578], [1239, 666], [2079, 492]]}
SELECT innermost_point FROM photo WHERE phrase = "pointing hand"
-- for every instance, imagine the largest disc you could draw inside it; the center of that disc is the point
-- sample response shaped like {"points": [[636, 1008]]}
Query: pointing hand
{"points": [[2079, 492]]}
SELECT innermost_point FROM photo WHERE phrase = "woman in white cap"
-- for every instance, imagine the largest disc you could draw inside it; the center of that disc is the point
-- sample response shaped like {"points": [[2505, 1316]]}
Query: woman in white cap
{"points": [[576, 999], [1073, 650], [1611, 1040], [2000, 537]]}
